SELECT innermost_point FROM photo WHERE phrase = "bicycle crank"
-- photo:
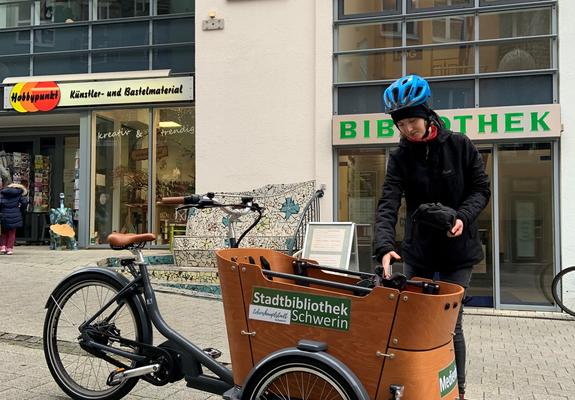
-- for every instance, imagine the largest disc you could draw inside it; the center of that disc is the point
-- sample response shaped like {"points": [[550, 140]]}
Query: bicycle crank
{"points": [[120, 375]]}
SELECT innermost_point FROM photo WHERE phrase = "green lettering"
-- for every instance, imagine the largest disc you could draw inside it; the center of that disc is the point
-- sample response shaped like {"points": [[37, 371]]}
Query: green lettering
{"points": [[463, 122], [492, 123], [446, 122], [347, 129], [366, 129], [535, 122], [384, 128], [510, 120]]}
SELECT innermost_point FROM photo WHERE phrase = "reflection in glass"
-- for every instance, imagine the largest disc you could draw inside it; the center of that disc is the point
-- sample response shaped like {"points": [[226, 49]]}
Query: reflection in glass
{"points": [[14, 66], [369, 36], [440, 30], [119, 35], [366, 67], [120, 191], [441, 61], [510, 24], [15, 42], [178, 59], [526, 223], [122, 9], [360, 99], [370, 6], [174, 30], [15, 14], [360, 179], [517, 55], [175, 166], [481, 288], [125, 60], [452, 94], [421, 4], [61, 39], [71, 171], [516, 90], [58, 11], [53, 64], [175, 6]]}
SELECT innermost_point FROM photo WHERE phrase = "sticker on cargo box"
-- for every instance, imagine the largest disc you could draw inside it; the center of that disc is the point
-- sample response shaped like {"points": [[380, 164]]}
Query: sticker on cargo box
{"points": [[447, 379], [284, 307]]}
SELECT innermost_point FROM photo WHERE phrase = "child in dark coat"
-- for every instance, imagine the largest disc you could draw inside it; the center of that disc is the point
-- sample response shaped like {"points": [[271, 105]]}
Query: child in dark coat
{"points": [[13, 200]]}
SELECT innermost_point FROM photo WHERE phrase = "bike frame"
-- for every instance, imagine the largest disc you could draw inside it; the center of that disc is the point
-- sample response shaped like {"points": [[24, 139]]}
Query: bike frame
{"points": [[191, 355]]}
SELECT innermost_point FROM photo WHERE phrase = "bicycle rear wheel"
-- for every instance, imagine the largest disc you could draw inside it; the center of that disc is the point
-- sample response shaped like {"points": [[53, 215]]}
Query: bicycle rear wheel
{"points": [[563, 289], [80, 374], [298, 378]]}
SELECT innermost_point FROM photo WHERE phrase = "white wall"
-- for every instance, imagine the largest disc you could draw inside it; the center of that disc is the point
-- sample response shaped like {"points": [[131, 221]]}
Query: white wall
{"points": [[264, 95], [567, 100]]}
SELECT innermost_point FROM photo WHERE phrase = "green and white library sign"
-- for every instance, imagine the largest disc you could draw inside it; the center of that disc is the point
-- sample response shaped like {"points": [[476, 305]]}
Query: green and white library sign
{"points": [[536, 121]]}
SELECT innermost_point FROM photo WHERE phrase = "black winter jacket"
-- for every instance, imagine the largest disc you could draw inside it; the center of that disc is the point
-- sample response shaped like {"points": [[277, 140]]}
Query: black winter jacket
{"points": [[13, 202], [448, 170]]}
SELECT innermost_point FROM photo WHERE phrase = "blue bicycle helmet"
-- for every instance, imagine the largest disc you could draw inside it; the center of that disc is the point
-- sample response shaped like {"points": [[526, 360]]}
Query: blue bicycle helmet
{"points": [[409, 91]]}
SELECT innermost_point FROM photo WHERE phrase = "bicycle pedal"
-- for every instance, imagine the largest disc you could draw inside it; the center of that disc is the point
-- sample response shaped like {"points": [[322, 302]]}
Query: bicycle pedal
{"points": [[214, 353]]}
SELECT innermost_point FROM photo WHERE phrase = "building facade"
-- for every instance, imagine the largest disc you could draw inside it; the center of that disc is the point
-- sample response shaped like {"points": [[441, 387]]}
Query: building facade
{"points": [[291, 91]]}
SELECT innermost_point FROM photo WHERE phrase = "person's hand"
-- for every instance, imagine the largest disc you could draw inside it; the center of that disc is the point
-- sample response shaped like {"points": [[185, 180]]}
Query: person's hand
{"points": [[386, 263], [457, 229]]}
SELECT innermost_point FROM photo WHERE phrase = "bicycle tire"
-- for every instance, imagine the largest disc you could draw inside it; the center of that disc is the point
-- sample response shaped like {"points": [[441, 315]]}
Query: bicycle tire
{"points": [[61, 341], [296, 378], [563, 290]]}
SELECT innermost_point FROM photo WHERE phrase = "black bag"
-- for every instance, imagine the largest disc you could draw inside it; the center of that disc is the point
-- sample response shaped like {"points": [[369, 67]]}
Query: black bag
{"points": [[435, 215]]}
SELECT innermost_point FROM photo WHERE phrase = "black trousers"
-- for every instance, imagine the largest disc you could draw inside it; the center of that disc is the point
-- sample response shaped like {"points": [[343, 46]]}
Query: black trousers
{"points": [[460, 277]]}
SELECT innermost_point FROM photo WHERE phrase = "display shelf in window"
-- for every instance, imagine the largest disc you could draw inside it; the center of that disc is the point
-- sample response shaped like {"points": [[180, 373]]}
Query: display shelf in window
{"points": [[42, 173]]}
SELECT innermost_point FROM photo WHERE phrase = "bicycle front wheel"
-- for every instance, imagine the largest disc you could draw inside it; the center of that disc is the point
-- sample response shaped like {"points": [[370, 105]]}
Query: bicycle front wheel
{"points": [[298, 378], [80, 374], [563, 289]]}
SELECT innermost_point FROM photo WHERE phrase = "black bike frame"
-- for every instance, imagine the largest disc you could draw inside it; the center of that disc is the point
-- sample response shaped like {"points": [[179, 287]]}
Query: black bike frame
{"points": [[191, 354]]}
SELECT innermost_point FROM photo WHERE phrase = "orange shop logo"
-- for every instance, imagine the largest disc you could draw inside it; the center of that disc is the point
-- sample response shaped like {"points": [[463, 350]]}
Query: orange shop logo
{"points": [[35, 96]]}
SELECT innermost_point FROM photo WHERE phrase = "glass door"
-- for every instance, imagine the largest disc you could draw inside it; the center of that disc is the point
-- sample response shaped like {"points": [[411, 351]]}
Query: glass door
{"points": [[526, 222], [481, 287]]}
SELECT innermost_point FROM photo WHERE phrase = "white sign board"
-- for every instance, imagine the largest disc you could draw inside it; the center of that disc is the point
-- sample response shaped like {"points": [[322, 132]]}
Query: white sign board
{"points": [[332, 244]]}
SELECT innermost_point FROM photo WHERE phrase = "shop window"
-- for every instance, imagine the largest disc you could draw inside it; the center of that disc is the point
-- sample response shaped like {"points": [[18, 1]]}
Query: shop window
{"points": [[125, 60], [60, 64], [175, 6], [519, 90], [517, 55], [108, 9], [503, 2], [178, 59], [358, 7], [369, 36], [526, 223], [441, 61], [120, 35], [360, 99], [510, 24], [120, 179], [14, 66], [63, 11], [61, 39], [15, 14], [175, 166], [428, 5], [17, 42], [452, 94], [367, 67], [174, 30], [440, 30]]}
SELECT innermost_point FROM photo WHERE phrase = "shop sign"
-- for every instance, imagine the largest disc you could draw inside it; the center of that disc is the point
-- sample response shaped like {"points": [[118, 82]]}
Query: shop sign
{"points": [[25, 96], [34, 96], [536, 121]]}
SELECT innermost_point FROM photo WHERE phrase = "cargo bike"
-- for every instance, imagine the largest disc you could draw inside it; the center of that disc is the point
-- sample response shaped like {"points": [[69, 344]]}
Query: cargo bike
{"points": [[296, 329]]}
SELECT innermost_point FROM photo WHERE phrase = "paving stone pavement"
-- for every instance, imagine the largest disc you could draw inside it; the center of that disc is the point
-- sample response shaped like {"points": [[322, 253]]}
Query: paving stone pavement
{"points": [[511, 355]]}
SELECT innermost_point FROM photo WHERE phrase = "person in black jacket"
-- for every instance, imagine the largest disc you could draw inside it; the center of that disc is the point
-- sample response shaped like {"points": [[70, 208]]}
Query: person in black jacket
{"points": [[13, 202], [431, 165]]}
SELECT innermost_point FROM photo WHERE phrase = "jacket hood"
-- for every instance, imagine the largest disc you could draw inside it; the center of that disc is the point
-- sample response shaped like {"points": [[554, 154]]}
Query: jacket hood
{"points": [[18, 186]]}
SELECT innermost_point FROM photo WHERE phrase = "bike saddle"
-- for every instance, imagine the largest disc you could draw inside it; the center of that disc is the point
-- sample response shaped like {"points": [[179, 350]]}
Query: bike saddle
{"points": [[123, 240]]}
